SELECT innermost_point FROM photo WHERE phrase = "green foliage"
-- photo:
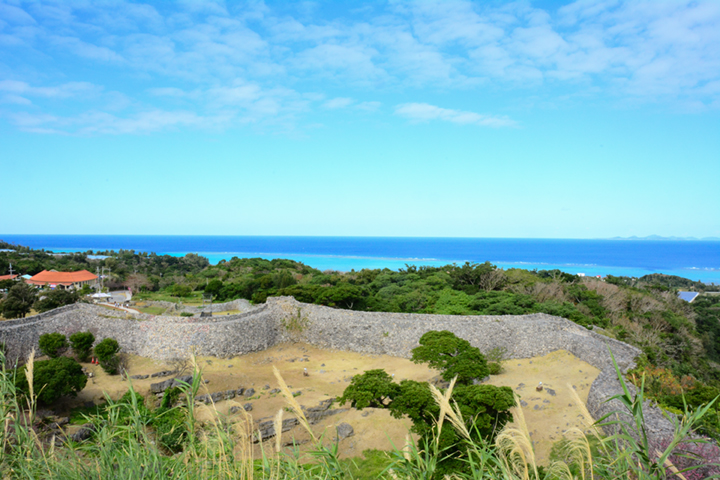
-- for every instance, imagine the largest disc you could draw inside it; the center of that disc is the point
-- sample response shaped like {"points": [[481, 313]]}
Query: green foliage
{"points": [[19, 300], [52, 344], [107, 351], [494, 368], [52, 379], [180, 290], [452, 355], [214, 286], [55, 299], [81, 343], [374, 388], [485, 407]]}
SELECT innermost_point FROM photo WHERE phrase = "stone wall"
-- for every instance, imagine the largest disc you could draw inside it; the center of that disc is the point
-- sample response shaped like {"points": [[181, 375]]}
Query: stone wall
{"points": [[240, 304], [283, 319]]}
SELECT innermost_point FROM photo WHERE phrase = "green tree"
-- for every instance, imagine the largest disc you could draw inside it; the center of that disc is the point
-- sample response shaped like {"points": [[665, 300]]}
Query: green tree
{"points": [[180, 290], [82, 343], [485, 408], [107, 351], [19, 300], [52, 344], [55, 299], [374, 388], [452, 355], [53, 378], [214, 286]]}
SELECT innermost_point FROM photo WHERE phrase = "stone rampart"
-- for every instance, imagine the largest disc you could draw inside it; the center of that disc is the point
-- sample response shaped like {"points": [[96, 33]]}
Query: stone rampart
{"points": [[240, 304], [283, 319]]}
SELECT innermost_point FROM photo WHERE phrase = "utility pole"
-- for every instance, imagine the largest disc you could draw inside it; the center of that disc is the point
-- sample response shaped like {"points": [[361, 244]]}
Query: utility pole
{"points": [[11, 271]]}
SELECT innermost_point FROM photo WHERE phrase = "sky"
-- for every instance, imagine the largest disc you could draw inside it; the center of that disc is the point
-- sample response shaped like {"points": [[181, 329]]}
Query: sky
{"points": [[588, 119]]}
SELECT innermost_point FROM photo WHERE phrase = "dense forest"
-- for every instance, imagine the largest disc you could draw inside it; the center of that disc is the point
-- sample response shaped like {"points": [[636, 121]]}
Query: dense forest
{"points": [[680, 341]]}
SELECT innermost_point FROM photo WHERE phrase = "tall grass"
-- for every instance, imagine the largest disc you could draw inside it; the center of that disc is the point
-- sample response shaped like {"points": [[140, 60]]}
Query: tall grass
{"points": [[125, 445]]}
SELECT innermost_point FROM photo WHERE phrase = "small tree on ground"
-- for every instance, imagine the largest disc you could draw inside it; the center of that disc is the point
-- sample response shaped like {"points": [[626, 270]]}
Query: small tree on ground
{"points": [[107, 351], [82, 343], [452, 355], [484, 408], [53, 344], [52, 379]]}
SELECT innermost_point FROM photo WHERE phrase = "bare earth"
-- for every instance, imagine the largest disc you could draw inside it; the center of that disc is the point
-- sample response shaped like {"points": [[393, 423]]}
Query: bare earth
{"points": [[330, 372]]}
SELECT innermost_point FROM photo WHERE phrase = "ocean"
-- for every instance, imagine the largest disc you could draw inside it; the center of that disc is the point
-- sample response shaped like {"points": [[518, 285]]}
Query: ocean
{"points": [[696, 260]]}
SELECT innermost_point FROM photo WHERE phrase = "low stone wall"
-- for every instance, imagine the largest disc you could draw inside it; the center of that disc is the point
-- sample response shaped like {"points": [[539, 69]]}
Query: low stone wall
{"points": [[283, 319], [240, 304]]}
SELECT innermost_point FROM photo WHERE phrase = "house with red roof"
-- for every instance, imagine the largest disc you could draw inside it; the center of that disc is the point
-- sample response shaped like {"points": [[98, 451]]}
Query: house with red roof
{"points": [[65, 280]]}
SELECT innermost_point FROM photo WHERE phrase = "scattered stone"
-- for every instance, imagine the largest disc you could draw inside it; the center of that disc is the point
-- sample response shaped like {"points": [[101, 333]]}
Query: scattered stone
{"points": [[523, 403], [139, 377], [164, 373], [249, 392], [173, 382], [248, 407], [274, 390], [345, 430], [322, 365], [322, 371], [240, 391], [536, 407], [267, 428], [520, 386], [546, 401], [229, 394], [296, 394], [266, 386], [230, 366], [84, 433]]}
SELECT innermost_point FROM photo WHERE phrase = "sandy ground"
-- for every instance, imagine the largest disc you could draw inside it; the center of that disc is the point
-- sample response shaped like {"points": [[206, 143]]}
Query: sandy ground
{"points": [[547, 415]]}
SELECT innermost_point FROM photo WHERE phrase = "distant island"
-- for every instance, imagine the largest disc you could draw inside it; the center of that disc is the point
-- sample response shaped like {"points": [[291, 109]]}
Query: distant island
{"points": [[659, 238]]}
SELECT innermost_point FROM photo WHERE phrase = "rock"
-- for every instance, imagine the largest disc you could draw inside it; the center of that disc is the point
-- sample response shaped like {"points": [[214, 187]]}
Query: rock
{"points": [[84, 433], [249, 392], [275, 390], [248, 407], [240, 391], [523, 403], [229, 394], [164, 373], [173, 382], [550, 391], [267, 428], [139, 377], [266, 386], [345, 430], [296, 394]]}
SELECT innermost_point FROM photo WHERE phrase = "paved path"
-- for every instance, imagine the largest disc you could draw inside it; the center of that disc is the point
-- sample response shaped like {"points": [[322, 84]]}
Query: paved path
{"points": [[126, 309]]}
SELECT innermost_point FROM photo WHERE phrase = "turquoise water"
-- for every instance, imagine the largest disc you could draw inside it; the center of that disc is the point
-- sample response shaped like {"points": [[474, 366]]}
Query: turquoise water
{"points": [[696, 260]]}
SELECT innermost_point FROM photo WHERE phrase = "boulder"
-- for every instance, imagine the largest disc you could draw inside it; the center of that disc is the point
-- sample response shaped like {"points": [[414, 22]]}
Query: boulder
{"points": [[84, 433], [173, 382], [345, 430], [249, 392]]}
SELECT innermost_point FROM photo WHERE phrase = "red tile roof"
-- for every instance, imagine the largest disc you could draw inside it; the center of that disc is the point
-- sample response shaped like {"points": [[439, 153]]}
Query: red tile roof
{"points": [[7, 277], [61, 278]]}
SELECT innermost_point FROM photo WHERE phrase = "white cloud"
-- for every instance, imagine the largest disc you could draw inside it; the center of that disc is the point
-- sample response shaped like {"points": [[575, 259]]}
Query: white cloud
{"points": [[66, 90], [339, 102], [423, 112]]}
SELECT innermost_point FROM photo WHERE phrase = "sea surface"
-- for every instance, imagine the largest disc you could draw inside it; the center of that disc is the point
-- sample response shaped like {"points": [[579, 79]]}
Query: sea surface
{"points": [[696, 260]]}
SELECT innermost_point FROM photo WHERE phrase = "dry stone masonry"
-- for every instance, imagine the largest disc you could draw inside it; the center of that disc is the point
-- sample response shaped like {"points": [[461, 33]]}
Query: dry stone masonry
{"points": [[282, 319]]}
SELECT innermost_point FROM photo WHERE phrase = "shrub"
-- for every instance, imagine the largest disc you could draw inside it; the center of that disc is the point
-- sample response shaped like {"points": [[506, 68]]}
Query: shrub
{"points": [[81, 343], [106, 351], [55, 299], [53, 344], [494, 368], [53, 378], [181, 290]]}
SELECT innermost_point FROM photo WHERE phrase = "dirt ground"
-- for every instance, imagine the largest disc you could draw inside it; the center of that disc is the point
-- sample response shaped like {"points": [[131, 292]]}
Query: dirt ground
{"points": [[330, 372]]}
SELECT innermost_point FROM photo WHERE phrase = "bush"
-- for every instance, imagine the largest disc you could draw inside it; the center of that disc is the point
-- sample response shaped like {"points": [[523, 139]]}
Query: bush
{"points": [[55, 299], [53, 378], [81, 343], [181, 290], [53, 344], [106, 351], [494, 368]]}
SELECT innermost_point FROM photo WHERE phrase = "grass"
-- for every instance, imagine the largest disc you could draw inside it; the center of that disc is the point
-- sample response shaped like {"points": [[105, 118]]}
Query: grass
{"points": [[129, 437], [152, 310], [194, 299]]}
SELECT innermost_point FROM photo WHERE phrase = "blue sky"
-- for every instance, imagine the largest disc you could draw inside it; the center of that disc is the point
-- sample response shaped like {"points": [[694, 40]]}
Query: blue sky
{"points": [[482, 119]]}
